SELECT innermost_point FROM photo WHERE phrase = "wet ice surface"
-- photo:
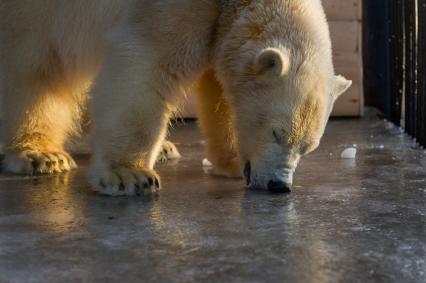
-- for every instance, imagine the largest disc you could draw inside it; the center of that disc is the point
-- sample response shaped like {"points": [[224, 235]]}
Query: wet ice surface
{"points": [[354, 220]]}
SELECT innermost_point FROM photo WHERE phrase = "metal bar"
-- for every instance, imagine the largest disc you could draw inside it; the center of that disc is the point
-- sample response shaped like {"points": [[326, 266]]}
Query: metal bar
{"points": [[409, 82], [407, 44], [421, 73], [396, 59]]}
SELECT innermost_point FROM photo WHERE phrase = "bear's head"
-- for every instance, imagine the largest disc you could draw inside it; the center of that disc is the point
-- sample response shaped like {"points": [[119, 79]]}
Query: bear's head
{"points": [[275, 64]]}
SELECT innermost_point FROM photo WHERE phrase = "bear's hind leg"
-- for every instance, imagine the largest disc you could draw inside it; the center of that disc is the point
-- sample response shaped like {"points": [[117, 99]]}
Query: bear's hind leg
{"points": [[215, 122], [36, 126]]}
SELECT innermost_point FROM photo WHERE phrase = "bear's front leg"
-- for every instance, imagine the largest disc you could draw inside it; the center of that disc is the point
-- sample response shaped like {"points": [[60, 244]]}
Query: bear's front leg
{"points": [[130, 117], [215, 121], [125, 145]]}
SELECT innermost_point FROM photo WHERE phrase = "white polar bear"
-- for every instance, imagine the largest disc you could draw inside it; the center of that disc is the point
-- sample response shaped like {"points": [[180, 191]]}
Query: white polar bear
{"points": [[263, 70]]}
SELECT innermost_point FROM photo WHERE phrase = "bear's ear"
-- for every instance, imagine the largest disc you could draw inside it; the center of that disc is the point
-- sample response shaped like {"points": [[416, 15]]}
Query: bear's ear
{"points": [[272, 62], [341, 85]]}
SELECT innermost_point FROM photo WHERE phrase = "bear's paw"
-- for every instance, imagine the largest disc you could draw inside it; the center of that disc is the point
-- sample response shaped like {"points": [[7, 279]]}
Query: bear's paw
{"points": [[168, 152], [124, 181], [34, 162]]}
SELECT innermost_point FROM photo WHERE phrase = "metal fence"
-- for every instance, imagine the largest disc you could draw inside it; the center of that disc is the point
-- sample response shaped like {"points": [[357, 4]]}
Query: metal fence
{"points": [[407, 39]]}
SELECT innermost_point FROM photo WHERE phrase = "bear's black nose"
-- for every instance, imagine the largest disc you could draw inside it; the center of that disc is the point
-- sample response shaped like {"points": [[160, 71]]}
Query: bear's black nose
{"points": [[247, 172], [279, 187]]}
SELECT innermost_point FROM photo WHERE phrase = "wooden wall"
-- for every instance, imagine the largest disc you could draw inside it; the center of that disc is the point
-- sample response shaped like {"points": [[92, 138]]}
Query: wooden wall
{"points": [[345, 18]]}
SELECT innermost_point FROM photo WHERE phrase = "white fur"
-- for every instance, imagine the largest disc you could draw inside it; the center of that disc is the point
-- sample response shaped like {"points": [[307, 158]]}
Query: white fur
{"points": [[137, 57]]}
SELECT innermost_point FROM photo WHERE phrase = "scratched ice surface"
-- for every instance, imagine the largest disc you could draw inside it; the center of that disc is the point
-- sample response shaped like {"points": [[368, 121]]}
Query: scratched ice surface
{"points": [[355, 220]]}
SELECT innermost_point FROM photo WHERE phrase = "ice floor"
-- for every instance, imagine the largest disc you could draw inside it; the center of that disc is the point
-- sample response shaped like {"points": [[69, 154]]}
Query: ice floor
{"points": [[360, 220]]}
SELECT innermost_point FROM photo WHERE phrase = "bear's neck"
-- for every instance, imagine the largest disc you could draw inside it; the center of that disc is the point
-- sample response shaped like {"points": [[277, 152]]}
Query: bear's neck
{"points": [[230, 10]]}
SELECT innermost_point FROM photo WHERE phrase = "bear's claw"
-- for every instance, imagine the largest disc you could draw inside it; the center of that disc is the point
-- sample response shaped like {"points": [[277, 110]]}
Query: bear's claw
{"points": [[33, 162], [125, 181], [168, 152]]}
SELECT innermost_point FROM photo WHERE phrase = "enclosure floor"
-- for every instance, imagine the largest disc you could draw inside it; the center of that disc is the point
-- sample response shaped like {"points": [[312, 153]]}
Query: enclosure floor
{"points": [[360, 220]]}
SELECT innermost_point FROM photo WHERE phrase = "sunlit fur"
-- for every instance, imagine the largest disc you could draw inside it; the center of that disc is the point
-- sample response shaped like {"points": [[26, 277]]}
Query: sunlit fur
{"points": [[136, 58], [279, 115]]}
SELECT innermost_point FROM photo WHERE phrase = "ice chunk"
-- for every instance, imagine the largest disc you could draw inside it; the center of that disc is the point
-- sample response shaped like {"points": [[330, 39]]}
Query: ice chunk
{"points": [[390, 126], [349, 153], [207, 163]]}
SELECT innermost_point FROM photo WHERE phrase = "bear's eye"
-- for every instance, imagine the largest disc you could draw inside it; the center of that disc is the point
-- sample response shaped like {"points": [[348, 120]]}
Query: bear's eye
{"points": [[304, 149], [271, 64], [277, 137]]}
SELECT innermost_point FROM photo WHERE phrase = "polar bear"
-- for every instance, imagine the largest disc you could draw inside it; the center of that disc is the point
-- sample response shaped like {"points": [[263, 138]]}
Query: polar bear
{"points": [[262, 69]]}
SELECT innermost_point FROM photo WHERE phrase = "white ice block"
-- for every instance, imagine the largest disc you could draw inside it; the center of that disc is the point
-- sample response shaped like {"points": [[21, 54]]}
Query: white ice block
{"points": [[207, 163], [349, 153]]}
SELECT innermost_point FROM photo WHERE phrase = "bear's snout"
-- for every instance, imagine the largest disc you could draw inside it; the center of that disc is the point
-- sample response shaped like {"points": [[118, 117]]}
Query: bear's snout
{"points": [[273, 180], [280, 187]]}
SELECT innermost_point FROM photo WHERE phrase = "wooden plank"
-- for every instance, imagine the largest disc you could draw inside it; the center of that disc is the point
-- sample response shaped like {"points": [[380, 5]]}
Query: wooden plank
{"points": [[349, 104], [350, 66], [343, 10], [345, 36]]}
